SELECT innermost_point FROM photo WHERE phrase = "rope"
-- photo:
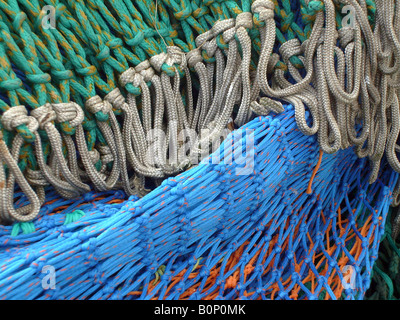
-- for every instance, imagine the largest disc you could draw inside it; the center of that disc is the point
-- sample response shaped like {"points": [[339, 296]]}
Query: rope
{"points": [[119, 89]]}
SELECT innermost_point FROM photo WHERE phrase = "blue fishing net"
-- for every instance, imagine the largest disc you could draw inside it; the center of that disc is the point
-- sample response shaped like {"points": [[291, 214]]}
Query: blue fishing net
{"points": [[285, 222]]}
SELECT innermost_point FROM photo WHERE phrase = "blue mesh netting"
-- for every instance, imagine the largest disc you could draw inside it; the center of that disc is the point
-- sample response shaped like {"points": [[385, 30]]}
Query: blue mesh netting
{"points": [[217, 231]]}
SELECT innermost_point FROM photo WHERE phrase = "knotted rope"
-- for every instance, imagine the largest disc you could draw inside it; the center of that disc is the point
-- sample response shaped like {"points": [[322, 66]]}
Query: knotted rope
{"points": [[122, 94]]}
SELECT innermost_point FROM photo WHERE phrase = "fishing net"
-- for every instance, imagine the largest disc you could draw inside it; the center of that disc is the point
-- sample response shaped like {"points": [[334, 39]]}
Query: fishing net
{"points": [[385, 273], [110, 110], [212, 234]]}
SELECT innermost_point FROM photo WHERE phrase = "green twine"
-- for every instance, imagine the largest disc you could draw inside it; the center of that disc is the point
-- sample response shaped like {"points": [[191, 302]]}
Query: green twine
{"points": [[26, 227], [73, 216]]}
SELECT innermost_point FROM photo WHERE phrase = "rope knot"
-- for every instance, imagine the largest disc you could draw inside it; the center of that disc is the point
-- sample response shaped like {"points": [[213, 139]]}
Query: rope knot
{"points": [[94, 156], [167, 61], [264, 8], [289, 49], [44, 115], [346, 36], [193, 57], [210, 47], [36, 177], [145, 70], [17, 118], [158, 60], [245, 20], [69, 112], [130, 76], [221, 26], [106, 155], [116, 98], [224, 27], [100, 108], [175, 54], [228, 35]]}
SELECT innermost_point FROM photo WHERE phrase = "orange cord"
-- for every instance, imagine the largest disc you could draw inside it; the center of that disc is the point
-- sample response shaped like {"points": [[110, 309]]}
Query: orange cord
{"points": [[309, 190]]}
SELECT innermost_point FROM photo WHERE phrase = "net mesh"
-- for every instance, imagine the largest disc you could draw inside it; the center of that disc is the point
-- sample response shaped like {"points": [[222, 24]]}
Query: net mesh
{"points": [[385, 273], [301, 225], [273, 213]]}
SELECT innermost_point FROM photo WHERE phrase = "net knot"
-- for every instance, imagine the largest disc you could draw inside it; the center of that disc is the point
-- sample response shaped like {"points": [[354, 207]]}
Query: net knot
{"points": [[137, 40], [16, 118], [158, 60], [184, 14], [106, 155], [145, 70], [245, 20], [45, 115], [62, 75], [116, 98], [19, 20], [346, 36], [100, 108], [193, 57], [69, 112], [11, 85], [289, 49], [130, 76], [41, 78], [264, 9]]}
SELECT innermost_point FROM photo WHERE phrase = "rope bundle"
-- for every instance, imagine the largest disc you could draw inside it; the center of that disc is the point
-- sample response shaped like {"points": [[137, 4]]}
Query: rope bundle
{"points": [[83, 103]]}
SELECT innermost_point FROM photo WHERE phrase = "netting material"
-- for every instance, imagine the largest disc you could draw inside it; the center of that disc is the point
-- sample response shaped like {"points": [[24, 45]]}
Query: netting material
{"points": [[210, 234], [285, 231], [78, 99], [385, 274]]}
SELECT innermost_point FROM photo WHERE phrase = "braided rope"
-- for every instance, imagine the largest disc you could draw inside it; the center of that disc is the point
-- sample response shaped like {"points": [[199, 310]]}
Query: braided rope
{"points": [[112, 72]]}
